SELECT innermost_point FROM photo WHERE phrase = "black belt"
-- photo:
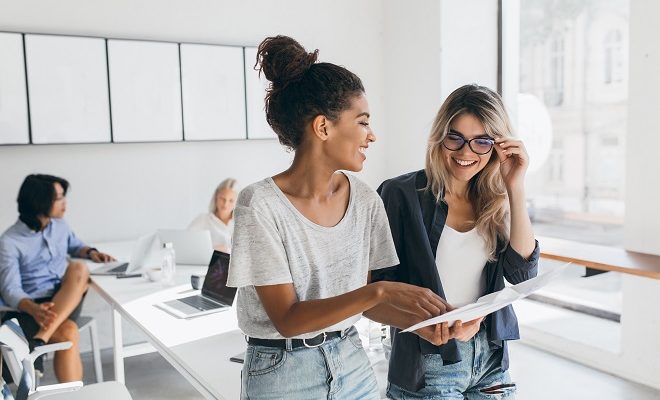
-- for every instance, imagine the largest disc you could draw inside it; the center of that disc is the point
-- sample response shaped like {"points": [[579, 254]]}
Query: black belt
{"points": [[311, 342]]}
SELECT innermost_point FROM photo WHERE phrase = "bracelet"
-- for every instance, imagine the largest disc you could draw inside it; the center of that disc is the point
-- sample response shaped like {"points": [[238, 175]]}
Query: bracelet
{"points": [[89, 252]]}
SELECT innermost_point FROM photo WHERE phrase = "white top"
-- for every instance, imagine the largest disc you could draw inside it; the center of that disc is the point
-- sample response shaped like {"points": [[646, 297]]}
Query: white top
{"points": [[275, 244], [460, 259], [220, 232]]}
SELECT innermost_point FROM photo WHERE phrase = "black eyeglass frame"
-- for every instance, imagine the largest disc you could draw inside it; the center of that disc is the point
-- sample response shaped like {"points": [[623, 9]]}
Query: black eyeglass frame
{"points": [[469, 143]]}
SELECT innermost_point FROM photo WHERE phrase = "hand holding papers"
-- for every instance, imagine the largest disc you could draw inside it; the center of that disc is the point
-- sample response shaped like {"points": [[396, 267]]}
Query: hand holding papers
{"points": [[492, 302]]}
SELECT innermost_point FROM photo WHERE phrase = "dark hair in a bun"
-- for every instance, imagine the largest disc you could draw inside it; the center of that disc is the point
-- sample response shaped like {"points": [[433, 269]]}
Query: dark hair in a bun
{"points": [[301, 88]]}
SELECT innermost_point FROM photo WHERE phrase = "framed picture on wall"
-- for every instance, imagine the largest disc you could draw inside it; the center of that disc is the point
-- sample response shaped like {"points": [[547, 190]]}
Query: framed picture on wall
{"points": [[14, 128], [255, 91], [213, 92], [145, 91]]}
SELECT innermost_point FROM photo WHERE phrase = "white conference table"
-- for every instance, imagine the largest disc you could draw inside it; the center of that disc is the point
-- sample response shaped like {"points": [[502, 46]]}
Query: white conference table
{"points": [[199, 348]]}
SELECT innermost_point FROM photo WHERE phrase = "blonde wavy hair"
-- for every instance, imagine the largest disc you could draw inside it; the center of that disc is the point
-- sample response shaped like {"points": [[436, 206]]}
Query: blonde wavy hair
{"points": [[486, 190]]}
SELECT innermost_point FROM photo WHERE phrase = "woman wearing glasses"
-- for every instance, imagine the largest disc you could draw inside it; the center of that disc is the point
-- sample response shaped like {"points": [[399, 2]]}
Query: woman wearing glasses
{"points": [[461, 228]]}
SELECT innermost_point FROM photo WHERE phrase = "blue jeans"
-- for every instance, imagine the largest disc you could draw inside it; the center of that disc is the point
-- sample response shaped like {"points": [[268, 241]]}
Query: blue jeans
{"points": [[338, 369], [479, 368]]}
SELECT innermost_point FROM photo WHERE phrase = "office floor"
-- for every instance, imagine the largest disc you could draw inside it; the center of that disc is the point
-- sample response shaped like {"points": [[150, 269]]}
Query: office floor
{"points": [[539, 375]]}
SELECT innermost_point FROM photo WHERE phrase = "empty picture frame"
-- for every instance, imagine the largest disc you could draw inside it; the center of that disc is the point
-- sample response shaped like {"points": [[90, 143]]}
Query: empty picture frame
{"points": [[255, 91], [14, 128], [145, 91], [68, 89], [213, 92]]}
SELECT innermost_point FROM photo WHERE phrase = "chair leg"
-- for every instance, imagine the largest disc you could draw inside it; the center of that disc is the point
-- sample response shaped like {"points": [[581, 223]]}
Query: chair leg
{"points": [[96, 350]]}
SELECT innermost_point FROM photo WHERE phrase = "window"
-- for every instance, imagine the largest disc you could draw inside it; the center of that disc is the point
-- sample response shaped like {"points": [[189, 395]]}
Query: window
{"points": [[564, 80], [556, 168], [554, 95], [613, 62]]}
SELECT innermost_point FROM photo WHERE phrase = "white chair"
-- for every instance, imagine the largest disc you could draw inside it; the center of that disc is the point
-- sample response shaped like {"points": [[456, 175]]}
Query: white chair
{"points": [[20, 362], [84, 323]]}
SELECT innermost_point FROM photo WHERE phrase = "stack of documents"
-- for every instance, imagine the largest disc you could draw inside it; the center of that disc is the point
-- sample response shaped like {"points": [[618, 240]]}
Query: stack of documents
{"points": [[494, 301]]}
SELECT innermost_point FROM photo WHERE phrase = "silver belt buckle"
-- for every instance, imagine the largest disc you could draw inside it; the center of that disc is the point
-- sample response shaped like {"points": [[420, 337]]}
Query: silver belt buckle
{"points": [[325, 336]]}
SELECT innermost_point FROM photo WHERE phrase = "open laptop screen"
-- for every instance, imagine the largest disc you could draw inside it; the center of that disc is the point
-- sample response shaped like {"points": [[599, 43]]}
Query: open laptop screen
{"points": [[215, 283]]}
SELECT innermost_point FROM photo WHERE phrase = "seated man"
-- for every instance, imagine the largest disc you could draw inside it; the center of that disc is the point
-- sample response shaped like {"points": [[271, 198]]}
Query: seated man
{"points": [[36, 276]]}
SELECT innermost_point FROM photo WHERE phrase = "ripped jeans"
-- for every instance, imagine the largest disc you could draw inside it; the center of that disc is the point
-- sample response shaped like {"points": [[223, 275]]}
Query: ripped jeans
{"points": [[476, 377]]}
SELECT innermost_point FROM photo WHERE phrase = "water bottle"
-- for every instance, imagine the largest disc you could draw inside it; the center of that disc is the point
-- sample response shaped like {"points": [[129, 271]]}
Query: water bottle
{"points": [[168, 266]]}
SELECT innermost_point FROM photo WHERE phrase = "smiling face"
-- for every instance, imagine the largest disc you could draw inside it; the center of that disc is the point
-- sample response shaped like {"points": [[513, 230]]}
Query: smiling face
{"points": [[349, 136], [464, 164]]}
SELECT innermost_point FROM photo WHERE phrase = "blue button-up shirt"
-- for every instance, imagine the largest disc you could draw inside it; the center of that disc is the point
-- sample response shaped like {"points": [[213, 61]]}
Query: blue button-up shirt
{"points": [[32, 263]]}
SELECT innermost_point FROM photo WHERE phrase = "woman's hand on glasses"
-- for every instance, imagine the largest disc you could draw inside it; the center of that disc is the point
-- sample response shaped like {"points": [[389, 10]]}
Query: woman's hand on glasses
{"points": [[514, 161]]}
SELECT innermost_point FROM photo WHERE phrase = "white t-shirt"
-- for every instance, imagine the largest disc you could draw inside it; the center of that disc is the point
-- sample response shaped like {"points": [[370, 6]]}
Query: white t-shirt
{"points": [[460, 259], [220, 232], [275, 244]]}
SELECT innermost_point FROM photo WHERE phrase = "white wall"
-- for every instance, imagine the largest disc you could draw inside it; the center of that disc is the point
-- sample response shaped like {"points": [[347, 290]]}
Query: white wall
{"points": [[642, 221], [412, 75], [122, 190], [469, 44], [410, 55], [431, 49]]}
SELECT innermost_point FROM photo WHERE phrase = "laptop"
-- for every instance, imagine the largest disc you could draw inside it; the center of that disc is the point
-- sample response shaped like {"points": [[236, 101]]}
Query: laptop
{"points": [[215, 295], [143, 251], [192, 247]]}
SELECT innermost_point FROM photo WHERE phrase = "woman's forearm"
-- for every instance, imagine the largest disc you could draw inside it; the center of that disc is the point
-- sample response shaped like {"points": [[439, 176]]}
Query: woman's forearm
{"points": [[27, 306], [522, 234], [314, 315], [292, 317], [388, 315]]}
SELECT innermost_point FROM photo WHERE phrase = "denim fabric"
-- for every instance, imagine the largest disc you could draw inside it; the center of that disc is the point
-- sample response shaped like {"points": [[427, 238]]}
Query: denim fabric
{"points": [[338, 369], [479, 368]]}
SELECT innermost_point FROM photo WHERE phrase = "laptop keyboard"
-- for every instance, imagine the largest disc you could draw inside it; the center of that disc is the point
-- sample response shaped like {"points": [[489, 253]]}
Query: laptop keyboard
{"points": [[200, 303], [121, 268]]}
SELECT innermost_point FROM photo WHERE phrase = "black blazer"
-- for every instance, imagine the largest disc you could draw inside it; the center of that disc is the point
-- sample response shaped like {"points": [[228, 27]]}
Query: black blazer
{"points": [[416, 220]]}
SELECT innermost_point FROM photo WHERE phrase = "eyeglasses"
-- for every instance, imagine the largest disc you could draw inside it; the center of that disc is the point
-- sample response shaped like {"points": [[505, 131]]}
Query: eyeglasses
{"points": [[479, 145]]}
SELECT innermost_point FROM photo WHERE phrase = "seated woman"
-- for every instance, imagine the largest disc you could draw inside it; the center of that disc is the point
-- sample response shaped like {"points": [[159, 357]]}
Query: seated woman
{"points": [[220, 218]]}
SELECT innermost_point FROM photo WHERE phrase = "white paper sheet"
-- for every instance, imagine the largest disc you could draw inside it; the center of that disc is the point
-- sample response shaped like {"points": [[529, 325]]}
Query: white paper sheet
{"points": [[493, 301]]}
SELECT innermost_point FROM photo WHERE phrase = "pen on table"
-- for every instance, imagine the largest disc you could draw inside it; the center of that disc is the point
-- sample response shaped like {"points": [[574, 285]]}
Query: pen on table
{"points": [[120, 276]]}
